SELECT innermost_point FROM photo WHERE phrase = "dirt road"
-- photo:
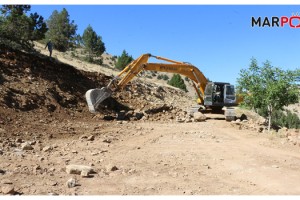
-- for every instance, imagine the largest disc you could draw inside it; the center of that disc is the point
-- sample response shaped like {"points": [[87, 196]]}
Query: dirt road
{"points": [[45, 127], [150, 158]]}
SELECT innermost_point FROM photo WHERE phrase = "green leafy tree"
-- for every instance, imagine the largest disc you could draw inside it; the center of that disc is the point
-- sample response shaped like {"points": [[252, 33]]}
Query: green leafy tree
{"points": [[92, 42], [123, 60], [178, 82], [17, 30], [62, 31], [268, 88]]}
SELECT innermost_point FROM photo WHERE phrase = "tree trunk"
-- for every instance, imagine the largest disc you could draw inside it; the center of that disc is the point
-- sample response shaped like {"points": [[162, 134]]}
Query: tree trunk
{"points": [[270, 116]]}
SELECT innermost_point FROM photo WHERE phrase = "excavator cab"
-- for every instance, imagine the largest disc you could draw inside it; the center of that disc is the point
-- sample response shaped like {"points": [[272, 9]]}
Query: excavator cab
{"points": [[219, 94]]}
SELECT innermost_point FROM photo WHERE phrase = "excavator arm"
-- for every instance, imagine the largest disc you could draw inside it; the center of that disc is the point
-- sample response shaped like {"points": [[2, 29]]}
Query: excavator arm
{"points": [[95, 96]]}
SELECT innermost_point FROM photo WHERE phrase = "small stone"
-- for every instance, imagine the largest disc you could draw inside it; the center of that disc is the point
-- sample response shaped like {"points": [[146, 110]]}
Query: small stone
{"points": [[2, 171], [188, 120], [52, 169], [47, 148], [52, 183], [114, 168], [71, 183], [37, 167], [74, 151], [83, 137], [179, 120], [275, 166], [85, 173], [26, 146], [18, 140], [107, 141], [91, 138], [8, 189]]}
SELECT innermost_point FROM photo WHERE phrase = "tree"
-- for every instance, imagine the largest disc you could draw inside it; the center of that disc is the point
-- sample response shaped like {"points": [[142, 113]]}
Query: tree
{"points": [[92, 42], [178, 82], [17, 30], [62, 32], [123, 60], [268, 88]]}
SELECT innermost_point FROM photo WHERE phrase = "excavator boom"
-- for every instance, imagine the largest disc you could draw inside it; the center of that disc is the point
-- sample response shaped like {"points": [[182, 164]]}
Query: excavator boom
{"points": [[94, 97]]}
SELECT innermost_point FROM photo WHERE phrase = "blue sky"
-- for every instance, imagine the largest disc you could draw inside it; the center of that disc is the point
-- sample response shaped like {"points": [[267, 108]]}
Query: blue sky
{"points": [[218, 39]]}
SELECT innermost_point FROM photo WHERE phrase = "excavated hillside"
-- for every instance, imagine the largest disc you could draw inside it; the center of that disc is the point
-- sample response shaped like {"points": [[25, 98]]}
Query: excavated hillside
{"points": [[36, 87]]}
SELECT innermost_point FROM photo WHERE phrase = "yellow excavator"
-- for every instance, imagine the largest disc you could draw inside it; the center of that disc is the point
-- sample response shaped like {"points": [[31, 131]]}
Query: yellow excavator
{"points": [[212, 96]]}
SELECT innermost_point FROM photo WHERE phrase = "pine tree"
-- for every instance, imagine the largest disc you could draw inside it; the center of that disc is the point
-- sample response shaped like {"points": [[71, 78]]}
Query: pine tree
{"points": [[62, 31], [17, 30], [123, 60], [92, 42]]}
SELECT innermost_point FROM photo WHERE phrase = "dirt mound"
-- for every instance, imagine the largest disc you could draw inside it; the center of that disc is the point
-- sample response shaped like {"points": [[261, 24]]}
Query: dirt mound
{"points": [[32, 81], [36, 87]]}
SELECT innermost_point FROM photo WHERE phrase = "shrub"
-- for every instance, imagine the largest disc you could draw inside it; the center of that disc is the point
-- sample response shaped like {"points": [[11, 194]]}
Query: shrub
{"points": [[289, 120], [123, 60], [178, 82]]}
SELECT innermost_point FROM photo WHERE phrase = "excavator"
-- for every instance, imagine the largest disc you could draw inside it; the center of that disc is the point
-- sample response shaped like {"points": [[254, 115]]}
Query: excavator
{"points": [[213, 97]]}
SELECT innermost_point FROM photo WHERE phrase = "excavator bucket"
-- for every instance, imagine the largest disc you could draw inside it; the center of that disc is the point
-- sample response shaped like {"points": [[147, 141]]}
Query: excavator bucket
{"points": [[95, 96]]}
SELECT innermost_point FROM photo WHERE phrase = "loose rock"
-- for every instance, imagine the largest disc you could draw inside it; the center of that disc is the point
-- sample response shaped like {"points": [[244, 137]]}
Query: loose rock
{"points": [[26, 146], [71, 183], [107, 141], [199, 117], [8, 189], [18, 140], [114, 168], [85, 173], [77, 169], [47, 148], [83, 137], [91, 138], [2, 171]]}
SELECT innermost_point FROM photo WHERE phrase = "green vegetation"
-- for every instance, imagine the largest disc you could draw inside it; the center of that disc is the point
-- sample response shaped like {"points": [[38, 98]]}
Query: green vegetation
{"points": [[268, 88], [178, 82], [61, 31], [289, 120], [164, 77], [123, 60], [17, 30], [92, 43]]}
